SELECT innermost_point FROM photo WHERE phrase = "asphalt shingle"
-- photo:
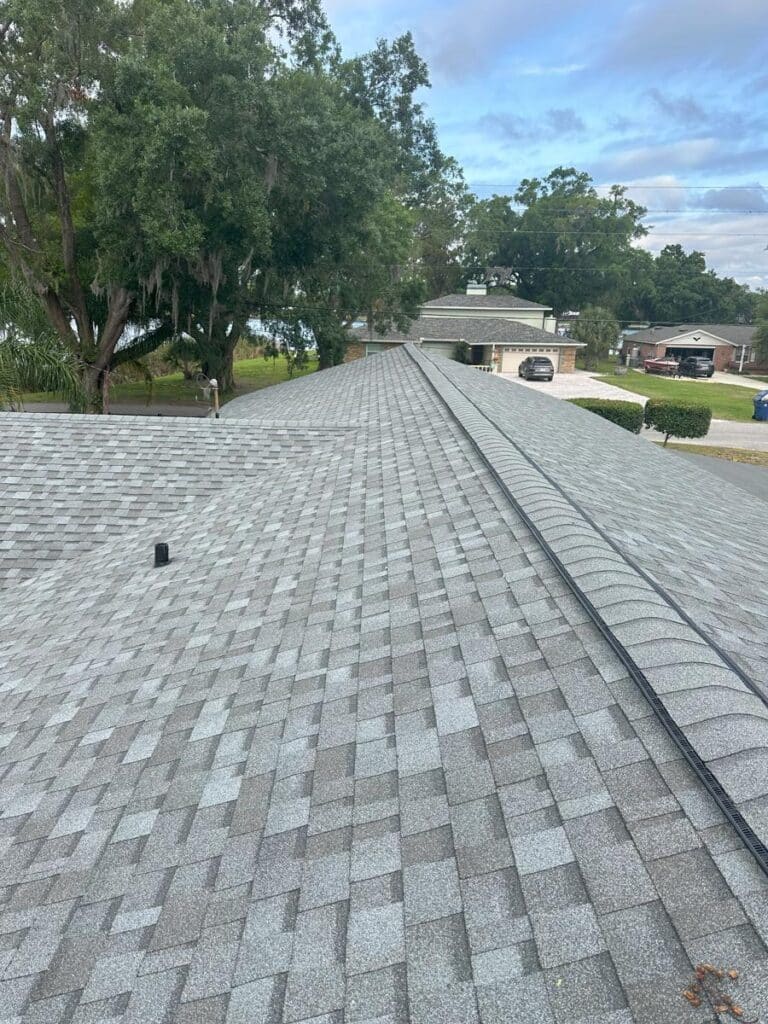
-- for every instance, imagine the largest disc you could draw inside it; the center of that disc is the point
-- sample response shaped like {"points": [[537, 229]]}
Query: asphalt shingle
{"points": [[357, 753]]}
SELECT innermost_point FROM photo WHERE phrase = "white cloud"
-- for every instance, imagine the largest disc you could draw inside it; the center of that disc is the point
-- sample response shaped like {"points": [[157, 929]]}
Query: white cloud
{"points": [[463, 39], [685, 155], [659, 191], [733, 244], [545, 70], [688, 35]]}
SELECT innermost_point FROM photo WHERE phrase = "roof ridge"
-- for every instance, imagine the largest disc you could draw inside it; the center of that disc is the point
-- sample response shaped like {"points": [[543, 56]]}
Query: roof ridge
{"points": [[685, 674]]}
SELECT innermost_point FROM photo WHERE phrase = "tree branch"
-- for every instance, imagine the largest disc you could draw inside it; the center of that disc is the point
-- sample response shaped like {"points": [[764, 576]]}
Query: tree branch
{"points": [[142, 346], [119, 307], [16, 207], [76, 295]]}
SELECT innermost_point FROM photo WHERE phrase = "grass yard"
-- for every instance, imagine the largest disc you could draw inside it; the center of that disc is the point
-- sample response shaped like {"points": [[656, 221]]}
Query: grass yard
{"points": [[729, 454], [727, 401], [603, 365], [250, 374]]}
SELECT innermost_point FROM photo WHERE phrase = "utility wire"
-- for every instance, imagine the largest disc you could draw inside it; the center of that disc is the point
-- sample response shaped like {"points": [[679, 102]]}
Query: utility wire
{"points": [[714, 210], [692, 322], [757, 187], [406, 268], [649, 229]]}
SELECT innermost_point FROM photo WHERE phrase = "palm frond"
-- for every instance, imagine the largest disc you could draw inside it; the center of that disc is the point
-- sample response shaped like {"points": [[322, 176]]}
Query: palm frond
{"points": [[21, 315], [40, 365]]}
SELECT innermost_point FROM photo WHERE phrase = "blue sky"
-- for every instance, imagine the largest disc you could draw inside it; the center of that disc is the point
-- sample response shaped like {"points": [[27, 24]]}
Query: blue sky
{"points": [[660, 94]]}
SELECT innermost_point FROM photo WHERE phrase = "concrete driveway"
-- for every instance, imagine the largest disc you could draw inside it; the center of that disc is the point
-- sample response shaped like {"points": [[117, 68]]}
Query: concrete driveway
{"points": [[718, 377], [578, 384]]}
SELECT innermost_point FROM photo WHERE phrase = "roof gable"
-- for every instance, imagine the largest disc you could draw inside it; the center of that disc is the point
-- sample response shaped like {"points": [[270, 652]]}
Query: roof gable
{"points": [[722, 334]]}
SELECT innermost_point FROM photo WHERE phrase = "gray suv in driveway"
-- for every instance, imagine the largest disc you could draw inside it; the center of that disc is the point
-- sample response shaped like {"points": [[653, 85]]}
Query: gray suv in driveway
{"points": [[536, 368], [695, 366]]}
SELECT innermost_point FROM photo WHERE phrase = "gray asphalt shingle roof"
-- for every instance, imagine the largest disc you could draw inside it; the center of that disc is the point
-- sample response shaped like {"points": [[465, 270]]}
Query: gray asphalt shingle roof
{"points": [[358, 753], [493, 300], [473, 330], [69, 484], [736, 334]]}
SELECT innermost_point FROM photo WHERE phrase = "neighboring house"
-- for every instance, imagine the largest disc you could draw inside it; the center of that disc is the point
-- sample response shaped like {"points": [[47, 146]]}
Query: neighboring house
{"points": [[500, 329], [409, 731], [729, 346]]}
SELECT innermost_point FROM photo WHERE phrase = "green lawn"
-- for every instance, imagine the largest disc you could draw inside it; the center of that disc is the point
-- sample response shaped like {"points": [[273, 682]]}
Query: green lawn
{"points": [[250, 374], [727, 401], [603, 365]]}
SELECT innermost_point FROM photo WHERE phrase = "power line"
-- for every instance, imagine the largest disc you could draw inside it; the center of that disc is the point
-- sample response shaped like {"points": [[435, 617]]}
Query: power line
{"points": [[708, 211], [692, 321], [446, 265], [650, 229], [685, 188]]}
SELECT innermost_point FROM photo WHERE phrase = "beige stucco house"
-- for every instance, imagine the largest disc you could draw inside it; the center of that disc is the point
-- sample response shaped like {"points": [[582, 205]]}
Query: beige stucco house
{"points": [[500, 329]]}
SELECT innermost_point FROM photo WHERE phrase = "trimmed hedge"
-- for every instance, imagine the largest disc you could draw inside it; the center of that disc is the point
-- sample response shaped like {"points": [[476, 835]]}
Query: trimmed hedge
{"points": [[628, 415], [677, 419]]}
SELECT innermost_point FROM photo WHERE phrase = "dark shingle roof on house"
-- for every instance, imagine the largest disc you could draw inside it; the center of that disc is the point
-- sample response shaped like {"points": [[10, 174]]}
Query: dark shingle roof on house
{"points": [[359, 753], [736, 334], [493, 300], [473, 330]]}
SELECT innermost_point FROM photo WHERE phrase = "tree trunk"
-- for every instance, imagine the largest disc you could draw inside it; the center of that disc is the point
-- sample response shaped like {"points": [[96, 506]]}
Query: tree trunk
{"points": [[93, 388], [325, 359], [218, 354]]}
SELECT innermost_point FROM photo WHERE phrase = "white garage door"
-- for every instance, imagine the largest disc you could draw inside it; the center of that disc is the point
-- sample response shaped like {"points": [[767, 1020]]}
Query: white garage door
{"points": [[439, 348], [512, 357]]}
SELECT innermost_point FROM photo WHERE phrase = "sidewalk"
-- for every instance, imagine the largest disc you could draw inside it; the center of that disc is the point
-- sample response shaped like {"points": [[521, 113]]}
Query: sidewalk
{"points": [[725, 434]]}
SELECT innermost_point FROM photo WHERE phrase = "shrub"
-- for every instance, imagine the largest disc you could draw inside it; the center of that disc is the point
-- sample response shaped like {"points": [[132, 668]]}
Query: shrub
{"points": [[462, 353], [628, 415], [677, 419]]}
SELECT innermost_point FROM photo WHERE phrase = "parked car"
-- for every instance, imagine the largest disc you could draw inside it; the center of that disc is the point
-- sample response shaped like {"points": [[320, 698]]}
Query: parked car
{"points": [[666, 365], [696, 366], [536, 368]]}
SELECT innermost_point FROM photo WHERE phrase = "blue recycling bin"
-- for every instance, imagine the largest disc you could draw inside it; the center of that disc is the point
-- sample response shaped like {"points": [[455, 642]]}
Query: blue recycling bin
{"points": [[761, 406]]}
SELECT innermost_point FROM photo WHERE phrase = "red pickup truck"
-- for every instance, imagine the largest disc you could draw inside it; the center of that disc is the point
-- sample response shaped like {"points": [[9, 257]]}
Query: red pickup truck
{"points": [[661, 364]]}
